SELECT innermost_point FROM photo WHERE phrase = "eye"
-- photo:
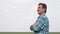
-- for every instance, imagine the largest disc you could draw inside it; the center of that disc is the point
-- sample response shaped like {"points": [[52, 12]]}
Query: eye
{"points": [[39, 7]]}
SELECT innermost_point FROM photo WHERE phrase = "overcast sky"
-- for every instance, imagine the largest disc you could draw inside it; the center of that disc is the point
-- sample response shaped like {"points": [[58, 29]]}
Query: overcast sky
{"points": [[18, 15]]}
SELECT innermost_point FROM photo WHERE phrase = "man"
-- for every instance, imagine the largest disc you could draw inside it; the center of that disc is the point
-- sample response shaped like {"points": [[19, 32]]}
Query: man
{"points": [[41, 26]]}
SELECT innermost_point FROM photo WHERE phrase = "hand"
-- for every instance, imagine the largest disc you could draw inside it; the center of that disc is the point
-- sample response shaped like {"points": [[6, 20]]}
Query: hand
{"points": [[33, 24]]}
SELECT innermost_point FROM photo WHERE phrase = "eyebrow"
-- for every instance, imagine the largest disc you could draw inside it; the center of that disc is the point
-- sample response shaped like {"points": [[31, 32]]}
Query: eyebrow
{"points": [[39, 7]]}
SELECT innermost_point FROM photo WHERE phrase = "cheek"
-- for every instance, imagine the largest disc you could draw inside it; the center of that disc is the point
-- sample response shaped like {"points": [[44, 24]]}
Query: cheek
{"points": [[40, 10]]}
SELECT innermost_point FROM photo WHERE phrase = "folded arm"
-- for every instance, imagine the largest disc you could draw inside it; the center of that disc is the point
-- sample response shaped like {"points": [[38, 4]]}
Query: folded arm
{"points": [[41, 24]]}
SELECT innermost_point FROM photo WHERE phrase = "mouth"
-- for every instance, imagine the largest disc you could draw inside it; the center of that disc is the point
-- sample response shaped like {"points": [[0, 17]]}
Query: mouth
{"points": [[37, 10]]}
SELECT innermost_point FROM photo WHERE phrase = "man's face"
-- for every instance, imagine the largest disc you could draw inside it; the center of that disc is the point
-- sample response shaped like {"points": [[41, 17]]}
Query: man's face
{"points": [[40, 9]]}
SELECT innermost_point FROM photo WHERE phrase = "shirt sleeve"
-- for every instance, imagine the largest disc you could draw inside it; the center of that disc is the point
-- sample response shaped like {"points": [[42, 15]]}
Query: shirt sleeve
{"points": [[41, 23]]}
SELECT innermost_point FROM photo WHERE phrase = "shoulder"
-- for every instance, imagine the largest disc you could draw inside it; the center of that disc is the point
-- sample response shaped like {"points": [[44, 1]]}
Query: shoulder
{"points": [[44, 18]]}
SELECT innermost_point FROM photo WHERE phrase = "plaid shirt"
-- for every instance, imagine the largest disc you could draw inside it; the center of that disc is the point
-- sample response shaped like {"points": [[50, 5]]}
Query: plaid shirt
{"points": [[42, 25]]}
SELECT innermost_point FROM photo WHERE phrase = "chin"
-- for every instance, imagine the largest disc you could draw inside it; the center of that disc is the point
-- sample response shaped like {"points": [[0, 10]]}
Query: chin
{"points": [[39, 13]]}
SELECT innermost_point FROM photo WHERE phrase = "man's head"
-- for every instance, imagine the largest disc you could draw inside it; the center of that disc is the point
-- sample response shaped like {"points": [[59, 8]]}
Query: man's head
{"points": [[41, 8]]}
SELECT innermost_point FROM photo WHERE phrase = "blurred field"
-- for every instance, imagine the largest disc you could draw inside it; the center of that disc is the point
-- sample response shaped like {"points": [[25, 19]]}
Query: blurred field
{"points": [[25, 33]]}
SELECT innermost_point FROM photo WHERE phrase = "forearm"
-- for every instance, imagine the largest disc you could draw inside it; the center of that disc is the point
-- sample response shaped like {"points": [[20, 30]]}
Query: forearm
{"points": [[32, 27]]}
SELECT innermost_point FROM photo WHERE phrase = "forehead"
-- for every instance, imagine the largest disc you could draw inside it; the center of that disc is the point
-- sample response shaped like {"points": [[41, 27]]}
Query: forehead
{"points": [[39, 5]]}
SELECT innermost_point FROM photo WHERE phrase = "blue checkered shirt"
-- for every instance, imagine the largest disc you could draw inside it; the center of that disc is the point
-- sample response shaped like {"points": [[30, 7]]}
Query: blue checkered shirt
{"points": [[42, 25]]}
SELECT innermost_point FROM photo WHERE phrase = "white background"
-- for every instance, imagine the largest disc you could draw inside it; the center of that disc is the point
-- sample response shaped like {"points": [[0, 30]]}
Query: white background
{"points": [[18, 15]]}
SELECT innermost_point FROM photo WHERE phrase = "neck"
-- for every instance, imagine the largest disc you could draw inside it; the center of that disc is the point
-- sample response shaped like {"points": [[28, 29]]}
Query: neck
{"points": [[42, 14]]}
